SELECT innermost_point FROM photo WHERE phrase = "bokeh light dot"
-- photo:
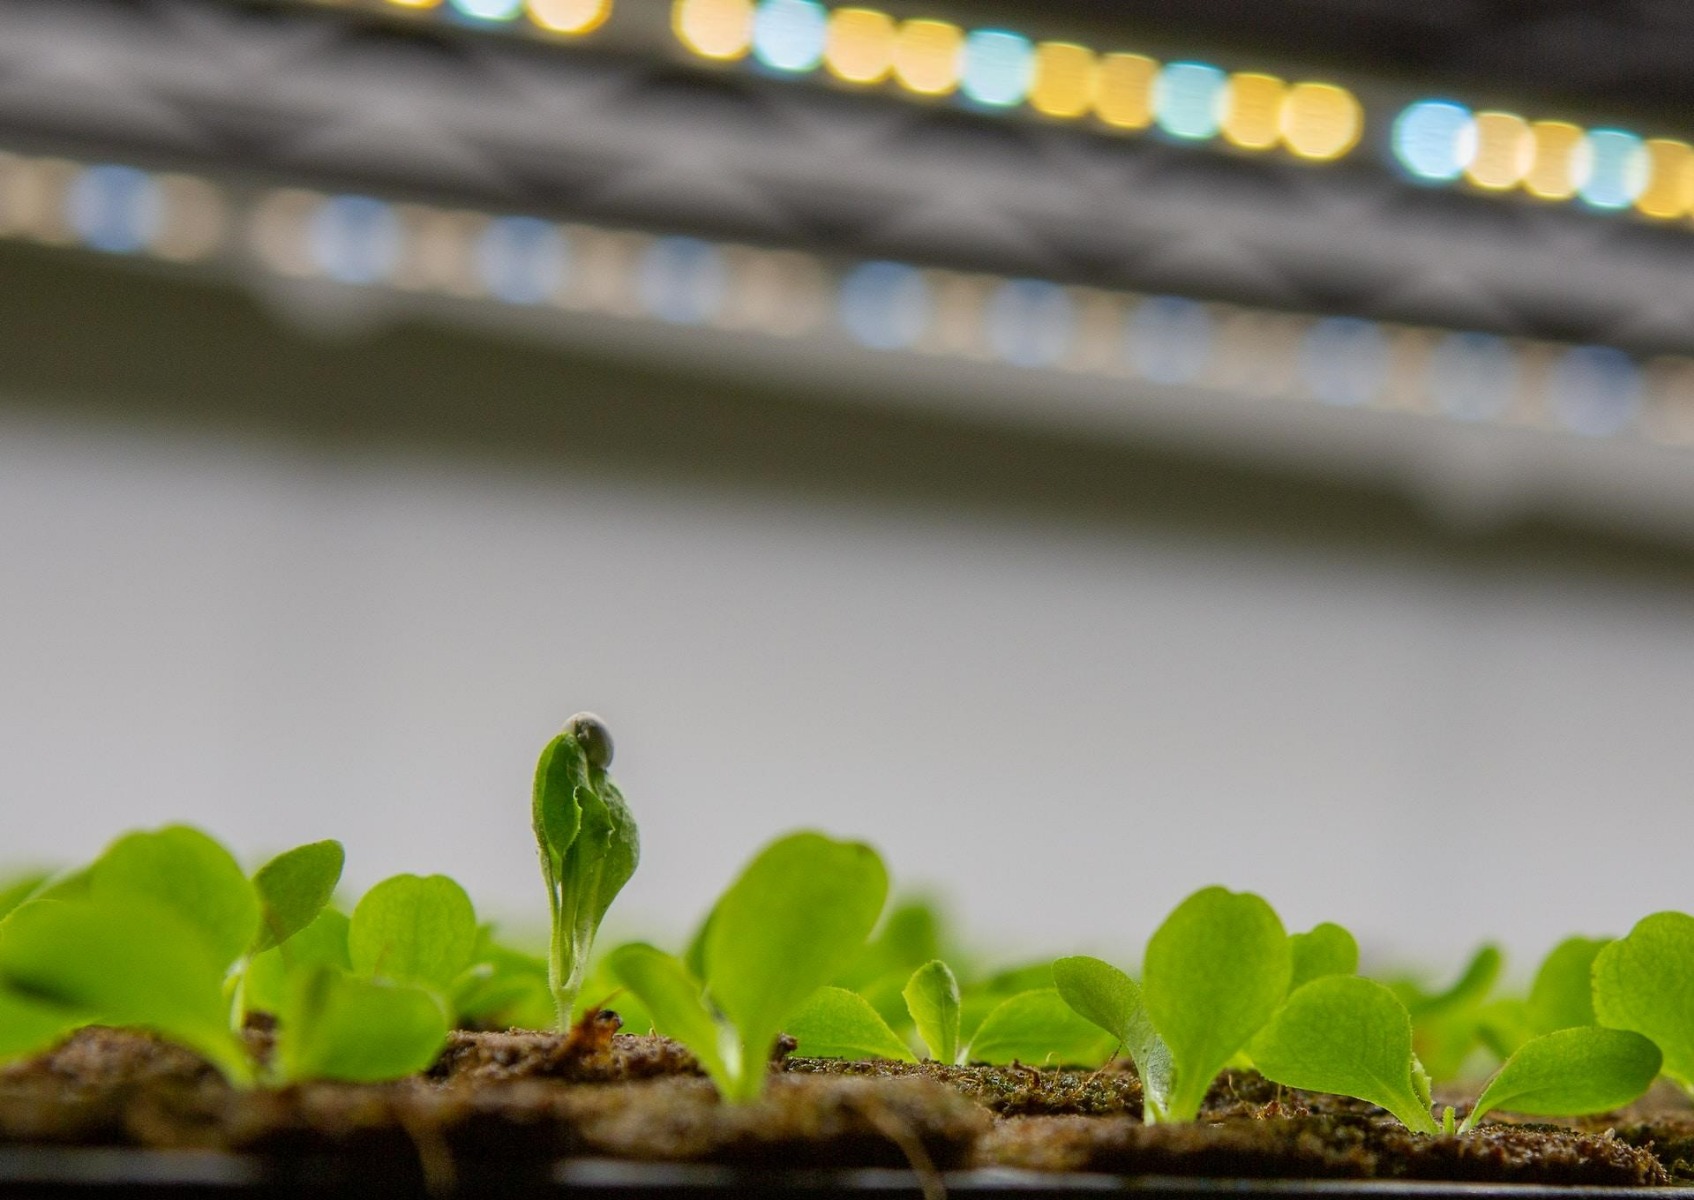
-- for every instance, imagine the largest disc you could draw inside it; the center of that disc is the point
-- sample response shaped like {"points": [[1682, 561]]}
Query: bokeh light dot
{"points": [[1434, 139], [998, 67], [1321, 121], [1618, 171], [682, 280], [1030, 322], [719, 29], [488, 10], [1252, 110], [569, 16], [1123, 90], [1505, 151], [1344, 360], [1188, 99], [927, 56], [859, 47], [1064, 79], [1560, 162], [885, 305], [789, 35], [114, 208], [1170, 339]]}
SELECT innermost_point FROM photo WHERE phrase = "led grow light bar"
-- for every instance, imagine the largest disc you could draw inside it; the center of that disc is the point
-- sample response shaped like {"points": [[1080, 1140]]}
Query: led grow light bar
{"points": [[526, 261]]}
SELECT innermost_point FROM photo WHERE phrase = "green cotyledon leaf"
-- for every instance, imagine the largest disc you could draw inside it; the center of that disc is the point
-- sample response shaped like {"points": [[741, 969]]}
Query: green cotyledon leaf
{"points": [[1563, 993], [131, 962], [1325, 949], [337, 1026], [413, 929], [796, 916], [1571, 1073], [836, 1023], [1038, 1027], [1350, 1037], [932, 999], [293, 889], [1215, 972], [1645, 983], [323, 943], [1109, 998], [674, 1000], [189, 873]]}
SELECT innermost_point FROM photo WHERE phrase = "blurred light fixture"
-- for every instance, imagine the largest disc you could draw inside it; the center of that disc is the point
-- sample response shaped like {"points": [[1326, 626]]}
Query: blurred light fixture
{"points": [[998, 67], [859, 47], [1123, 90], [1064, 79], [1435, 140], [523, 260], [927, 56], [1189, 99], [789, 35], [488, 10], [1252, 117], [717, 29], [574, 17], [1320, 121]]}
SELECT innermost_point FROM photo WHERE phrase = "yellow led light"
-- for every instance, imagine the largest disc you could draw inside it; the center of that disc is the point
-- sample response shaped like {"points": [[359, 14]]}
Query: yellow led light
{"points": [[1123, 90], [1670, 179], [415, 3], [859, 47], [1064, 79], [721, 29], [1560, 163], [1505, 151], [570, 16], [1253, 110], [926, 56], [1321, 121]]}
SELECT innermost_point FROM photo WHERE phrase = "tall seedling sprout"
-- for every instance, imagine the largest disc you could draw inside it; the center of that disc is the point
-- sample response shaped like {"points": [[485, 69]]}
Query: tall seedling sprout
{"points": [[589, 848]]}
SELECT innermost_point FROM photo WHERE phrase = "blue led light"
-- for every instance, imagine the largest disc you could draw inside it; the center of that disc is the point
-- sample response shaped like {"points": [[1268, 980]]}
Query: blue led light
{"points": [[789, 35], [1473, 376], [999, 67], [521, 259], [354, 239], [1618, 169], [683, 280], [1434, 139], [1595, 390], [488, 10], [1189, 98], [1344, 360], [1170, 339], [115, 209], [885, 305], [1030, 322]]}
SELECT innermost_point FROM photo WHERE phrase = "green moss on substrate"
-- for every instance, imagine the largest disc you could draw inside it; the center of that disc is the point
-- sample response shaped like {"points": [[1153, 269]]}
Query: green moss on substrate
{"points": [[517, 1101]]}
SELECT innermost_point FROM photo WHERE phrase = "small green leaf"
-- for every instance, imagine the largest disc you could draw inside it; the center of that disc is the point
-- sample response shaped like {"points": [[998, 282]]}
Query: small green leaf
{"points": [[1348, 1036], [131, 963], [798, 914], [1039, 1027], [932, 999], [29, 1025], [293, 889], [1571, 1073], [1216, 970], [335, 1026], [1469, 989], [413, 929], [323, 943], [1107, 997], [837, 1023], [189, 873], [504, 987], [1563, 993], [1325, 949], [674, 999], [1645, 983], [561, 769]]}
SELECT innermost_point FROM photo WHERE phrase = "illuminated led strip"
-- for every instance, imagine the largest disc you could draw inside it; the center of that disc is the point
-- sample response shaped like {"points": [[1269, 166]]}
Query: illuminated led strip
{"points": [[572, 18], [1438, 141], [998, 69], [524, 260]]}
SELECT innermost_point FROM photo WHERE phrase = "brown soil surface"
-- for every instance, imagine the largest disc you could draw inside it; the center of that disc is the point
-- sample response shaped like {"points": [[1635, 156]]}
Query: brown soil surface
{"points": [[517, 1101]]}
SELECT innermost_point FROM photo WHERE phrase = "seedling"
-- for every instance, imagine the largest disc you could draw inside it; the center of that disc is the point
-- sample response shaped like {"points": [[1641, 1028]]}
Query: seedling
{"points": [[1216, 970], [1110, 999], [589, 848], [1571, 1073], [932, 999], [1352, 1037], [1645, 983], [796, 916]]}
